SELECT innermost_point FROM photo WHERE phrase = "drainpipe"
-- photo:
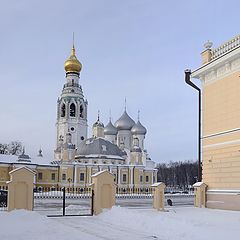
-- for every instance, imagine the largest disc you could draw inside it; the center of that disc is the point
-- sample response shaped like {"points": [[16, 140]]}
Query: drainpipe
{"points": [[188, 81]]}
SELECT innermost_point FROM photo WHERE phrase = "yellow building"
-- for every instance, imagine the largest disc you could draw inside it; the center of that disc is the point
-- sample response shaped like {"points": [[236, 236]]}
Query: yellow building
{"points": [[220, 79]]}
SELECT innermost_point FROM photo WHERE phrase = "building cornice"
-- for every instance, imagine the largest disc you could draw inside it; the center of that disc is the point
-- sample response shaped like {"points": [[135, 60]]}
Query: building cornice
{"points": [[219, 68]]}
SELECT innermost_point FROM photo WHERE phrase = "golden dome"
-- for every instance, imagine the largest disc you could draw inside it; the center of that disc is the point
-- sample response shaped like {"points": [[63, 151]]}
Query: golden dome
{"points": [[72, 64]]}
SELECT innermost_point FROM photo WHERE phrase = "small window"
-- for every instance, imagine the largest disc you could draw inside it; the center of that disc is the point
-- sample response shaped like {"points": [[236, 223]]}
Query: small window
{"points": [[64, 177], [39, 176], [63, 110], [104, 148], [115, 177], [72, 110], [53, 176], [141, 178], [81, 176], [81, 111], [153, 179], [124, 177], [147, 178]]}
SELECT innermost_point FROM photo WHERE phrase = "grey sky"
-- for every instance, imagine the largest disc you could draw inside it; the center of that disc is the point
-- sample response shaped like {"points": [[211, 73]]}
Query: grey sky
{"points": [[135, 49]]}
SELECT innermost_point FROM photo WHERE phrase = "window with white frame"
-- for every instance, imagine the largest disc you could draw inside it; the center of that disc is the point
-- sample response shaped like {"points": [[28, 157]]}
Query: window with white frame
{"points": [[40, 176], [81, 176], [147, 178], [124, 177], [64, 176]]}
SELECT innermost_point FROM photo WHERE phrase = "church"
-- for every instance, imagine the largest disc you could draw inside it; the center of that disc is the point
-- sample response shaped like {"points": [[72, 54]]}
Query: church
{"points": [[118, 148]]}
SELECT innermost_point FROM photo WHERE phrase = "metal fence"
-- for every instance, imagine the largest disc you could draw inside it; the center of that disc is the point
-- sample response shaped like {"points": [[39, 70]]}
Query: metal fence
{"points": [[143, 198], [64, 201]]}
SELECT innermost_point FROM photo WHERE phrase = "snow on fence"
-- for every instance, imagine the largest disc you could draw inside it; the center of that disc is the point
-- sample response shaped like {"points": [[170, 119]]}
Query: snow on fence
{"points": [[121, 193], [58, 193]]}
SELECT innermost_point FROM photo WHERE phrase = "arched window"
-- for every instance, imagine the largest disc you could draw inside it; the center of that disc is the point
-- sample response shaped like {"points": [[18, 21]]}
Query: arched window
{"points": [[63, 110], [72, 110], [81, 111]]}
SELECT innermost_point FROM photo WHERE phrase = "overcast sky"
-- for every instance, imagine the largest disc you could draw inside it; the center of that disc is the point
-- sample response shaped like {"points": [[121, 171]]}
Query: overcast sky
{"points": [[136, 49]]}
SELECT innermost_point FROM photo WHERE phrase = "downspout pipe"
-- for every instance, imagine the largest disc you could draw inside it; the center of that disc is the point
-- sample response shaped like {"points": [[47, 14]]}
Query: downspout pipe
{"points": [[190, 83]]}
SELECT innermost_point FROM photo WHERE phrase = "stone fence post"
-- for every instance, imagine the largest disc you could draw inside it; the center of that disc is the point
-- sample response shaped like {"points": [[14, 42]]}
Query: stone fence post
{"points": [[104, 191], [200, 194], [20, 189], [158, 195]]}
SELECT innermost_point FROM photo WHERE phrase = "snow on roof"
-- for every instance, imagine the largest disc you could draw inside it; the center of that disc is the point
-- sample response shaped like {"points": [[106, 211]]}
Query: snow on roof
{"points": [[17, 169], [7, 159], [100, 156], [198, 184], [101, 172], [157, 184]]}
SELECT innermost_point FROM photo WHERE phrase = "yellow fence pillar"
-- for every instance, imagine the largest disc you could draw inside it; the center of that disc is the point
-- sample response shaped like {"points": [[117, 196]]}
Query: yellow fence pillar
{"points": [[200, 194], [20, 189], [104, 191], [158, 195]]}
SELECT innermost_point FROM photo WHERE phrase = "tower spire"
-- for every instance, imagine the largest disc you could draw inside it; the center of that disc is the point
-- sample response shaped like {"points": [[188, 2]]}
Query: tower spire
{"points": [[125, 104], [73, 40], [98, 115], [110, 115], [138, 115], [73, 47]]}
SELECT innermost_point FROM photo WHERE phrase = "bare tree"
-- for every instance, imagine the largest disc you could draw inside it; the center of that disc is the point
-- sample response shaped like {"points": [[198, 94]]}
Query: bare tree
{"points": [[15, 147], [3, 148], [179, 175]]}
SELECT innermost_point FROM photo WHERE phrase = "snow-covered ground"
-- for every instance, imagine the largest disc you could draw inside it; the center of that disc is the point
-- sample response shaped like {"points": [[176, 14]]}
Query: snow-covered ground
{"points": [[186, 223]]}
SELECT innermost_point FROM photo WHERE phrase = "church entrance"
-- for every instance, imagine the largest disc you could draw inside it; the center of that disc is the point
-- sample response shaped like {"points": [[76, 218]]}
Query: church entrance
{"points": [[66, 201]]}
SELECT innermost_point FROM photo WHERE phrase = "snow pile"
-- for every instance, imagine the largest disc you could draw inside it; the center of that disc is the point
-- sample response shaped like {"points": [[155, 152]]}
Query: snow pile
{"points": [[26, 225], [179, 223]]}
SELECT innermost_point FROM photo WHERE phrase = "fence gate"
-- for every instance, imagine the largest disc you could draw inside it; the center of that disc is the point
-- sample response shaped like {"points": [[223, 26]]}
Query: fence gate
{"points": [[56, 202], [3, 198]]}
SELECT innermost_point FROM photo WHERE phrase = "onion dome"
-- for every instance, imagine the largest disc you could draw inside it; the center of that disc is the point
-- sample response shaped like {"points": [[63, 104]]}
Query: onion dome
{"points": [[124, 122], [136, 149], [138, 129], [72, 64], [110, 129], [98, 123]]}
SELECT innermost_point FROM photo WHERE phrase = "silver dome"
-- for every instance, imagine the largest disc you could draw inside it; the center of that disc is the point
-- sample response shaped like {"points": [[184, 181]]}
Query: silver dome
{"points": [[138, 129], [98, 124], [124, 122], [110, 129]]}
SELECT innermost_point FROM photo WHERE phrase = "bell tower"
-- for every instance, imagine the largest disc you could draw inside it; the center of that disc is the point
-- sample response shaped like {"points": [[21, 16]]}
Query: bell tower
{"points": [[71, 107]]}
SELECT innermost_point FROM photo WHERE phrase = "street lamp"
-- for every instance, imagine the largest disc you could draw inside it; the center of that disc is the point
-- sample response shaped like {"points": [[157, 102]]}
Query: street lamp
{"points": [[188, 81]]}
